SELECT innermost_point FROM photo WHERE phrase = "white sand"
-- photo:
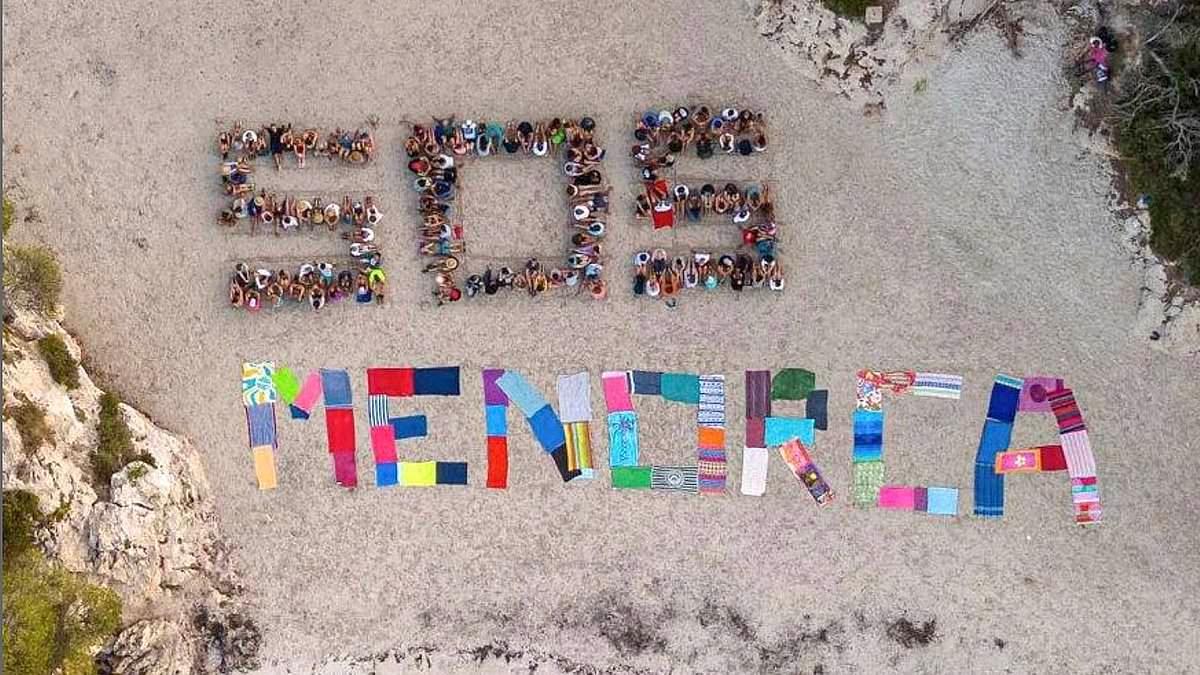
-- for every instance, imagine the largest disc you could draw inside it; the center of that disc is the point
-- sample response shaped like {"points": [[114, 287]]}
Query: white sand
{"points": [[962, 233]]}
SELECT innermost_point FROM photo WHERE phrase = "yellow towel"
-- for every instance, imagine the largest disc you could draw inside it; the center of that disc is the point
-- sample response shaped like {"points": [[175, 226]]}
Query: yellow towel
{"points": [[264, 467]]}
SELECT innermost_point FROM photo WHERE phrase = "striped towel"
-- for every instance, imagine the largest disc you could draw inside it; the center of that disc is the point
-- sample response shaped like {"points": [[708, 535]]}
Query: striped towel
{"points": [[377, 410], [938, 385], [710, 416], [1066, 411], [679, 478], [710, 411]]}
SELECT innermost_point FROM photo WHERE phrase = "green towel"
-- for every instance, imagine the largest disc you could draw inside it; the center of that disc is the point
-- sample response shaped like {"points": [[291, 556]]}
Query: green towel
{"points": [[631, 477], [286, 384], [792, 384], [681, 387]]}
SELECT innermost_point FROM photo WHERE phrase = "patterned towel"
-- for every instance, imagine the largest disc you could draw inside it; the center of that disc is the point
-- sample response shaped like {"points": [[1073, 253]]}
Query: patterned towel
{"points": [[710, 436], [258, 384], [623, 439], [678, 478], [799, 460], [938, 385]]}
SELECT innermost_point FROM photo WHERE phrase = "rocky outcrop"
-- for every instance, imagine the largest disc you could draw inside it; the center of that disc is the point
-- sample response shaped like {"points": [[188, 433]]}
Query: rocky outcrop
{"points": [[857, 60], [150, 534]]}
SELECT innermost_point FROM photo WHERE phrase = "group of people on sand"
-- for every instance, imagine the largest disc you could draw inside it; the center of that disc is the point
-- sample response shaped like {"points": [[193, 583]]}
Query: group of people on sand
{"points": [[662, 137], [313, 283], [434, 152]]}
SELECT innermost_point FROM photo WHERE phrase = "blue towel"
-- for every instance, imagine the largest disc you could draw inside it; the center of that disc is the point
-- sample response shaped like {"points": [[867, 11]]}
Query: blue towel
{"points": [[816, 407], [413, 426], [780, 430], [989, 485], [497, 420], [451, 473], [868, 436], [297, 413], [386, 474], [681, 387], [1006, 394], [436, 381], [548, 429], [942, 501], [336, 385], [647, 383], [260, 423], [623, 438], [521, 393]]}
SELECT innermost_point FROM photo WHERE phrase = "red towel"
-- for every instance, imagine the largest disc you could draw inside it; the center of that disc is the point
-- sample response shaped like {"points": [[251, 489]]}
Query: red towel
{"points": [[344, 470], [497, 462], [339, 428], [1053, 458], [390, 381]]}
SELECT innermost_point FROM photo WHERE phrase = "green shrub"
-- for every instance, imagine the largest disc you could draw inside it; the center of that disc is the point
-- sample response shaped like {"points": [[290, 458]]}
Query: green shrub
{"points": [[32, 276], [1159, 140], [850, 9], [31, 423], [8, 215], [63, 367], [53, 620], [114, 445], [22, 516]]}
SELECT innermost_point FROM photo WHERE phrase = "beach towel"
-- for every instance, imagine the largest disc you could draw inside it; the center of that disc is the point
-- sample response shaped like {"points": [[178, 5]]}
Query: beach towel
{"points": [[798, 458], [306, 399], [497, 420], [868, 436], [547, 429], [579, 435], [287, 384], [387, 474], [260, 425], [345, 471], [868, 479], [1019, 461], [575, 397], [336, 385], [258, 384], [677, 478], [377, 410], [711, 470], [1006, 394], [616, 391], [938, 385], [492, 393], [390, 381], [623, 438], [780, 430], [521, 393], [383, 445], [758, 394], [1035, 393], [989, 486], [631, 477], [754, 471], [681, 387], [412, 426], [710, 410], [1066, 411], [792, 384], [264, 467], [941, 501], [647, 383], [451, 473], [497, 462], [339, 429], [418, 474], [441, 381], [897, 497], [816, 408], [756, 432]]}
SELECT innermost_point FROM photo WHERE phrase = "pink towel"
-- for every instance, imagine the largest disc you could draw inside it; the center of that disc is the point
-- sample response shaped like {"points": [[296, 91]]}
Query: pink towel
{"points": [[383, 444], [310, 391], [899, 497], [616, 391]]}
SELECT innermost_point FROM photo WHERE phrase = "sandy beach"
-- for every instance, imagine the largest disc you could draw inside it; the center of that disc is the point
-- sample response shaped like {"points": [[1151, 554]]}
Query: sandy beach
{"points": [[963, 231]]}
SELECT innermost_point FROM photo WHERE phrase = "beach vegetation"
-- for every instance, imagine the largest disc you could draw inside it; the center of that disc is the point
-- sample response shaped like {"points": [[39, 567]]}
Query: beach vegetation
{"points": [[31, 424], [8, 215], [1157, 125], [114, 443], [63, 367], [32, 277], [850, 9]]}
